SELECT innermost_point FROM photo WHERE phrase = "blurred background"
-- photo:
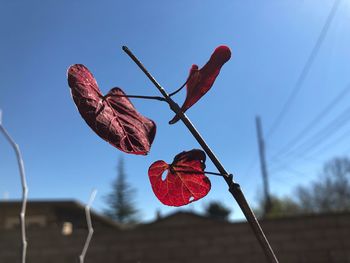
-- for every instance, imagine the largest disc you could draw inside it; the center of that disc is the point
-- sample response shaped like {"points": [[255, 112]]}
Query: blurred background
{"points": [[289, 66]]}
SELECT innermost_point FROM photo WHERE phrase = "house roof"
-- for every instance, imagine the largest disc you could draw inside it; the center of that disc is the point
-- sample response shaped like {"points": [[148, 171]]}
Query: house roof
{"points": [[181, 218], [61, 205]]}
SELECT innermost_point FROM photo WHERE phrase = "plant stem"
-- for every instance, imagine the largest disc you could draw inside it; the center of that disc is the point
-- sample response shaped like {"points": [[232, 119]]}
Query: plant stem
{"points": [[234, 188], [136, 96], [176, 91], [213, 173], [196, 172]]}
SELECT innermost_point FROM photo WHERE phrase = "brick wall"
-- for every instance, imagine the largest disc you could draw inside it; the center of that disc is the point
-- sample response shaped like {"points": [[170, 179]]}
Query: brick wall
{"points": [[186, 238]]}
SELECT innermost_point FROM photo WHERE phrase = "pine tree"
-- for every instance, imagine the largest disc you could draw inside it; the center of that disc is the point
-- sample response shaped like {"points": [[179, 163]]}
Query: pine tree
{"points": [[217, 210], [121, 206]]}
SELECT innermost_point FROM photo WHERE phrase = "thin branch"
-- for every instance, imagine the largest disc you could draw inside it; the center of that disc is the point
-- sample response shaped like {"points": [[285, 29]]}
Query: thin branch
{"points": [[136, 96], [176, 91], [24, 188], [196, 172], [213, 173], [89, 224], [234, 188]]}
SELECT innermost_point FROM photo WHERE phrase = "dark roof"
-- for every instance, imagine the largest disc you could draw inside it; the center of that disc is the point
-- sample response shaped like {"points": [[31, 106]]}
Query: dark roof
{"points": [[60, 204], [181, 218]]}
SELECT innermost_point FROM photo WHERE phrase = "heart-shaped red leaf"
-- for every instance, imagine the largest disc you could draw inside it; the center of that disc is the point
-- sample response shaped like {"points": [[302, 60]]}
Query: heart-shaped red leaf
{"points": [[112, 117], [185, 181], [201, 80]]}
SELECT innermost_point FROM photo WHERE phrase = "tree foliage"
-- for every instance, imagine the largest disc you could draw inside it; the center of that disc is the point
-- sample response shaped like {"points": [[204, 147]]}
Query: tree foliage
{"points": [[331, 193], [280, 206], [217, 210], [121, 206]]}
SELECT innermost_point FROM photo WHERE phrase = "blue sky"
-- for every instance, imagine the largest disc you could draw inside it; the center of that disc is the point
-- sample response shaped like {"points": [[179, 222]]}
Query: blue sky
{"points": [[270, 42]]}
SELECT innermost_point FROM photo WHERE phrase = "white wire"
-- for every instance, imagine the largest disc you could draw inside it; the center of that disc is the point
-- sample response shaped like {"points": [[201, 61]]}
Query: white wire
{"points": [[89, 224], [24, 188]]}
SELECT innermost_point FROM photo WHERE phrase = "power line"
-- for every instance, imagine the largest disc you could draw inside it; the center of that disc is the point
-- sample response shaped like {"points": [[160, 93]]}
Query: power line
{"points": [[275, 167], [290, 169], [305, 69], [293, 173], [332, 143], [313, 123], [332, 128], [320, 136], [326, 132]]}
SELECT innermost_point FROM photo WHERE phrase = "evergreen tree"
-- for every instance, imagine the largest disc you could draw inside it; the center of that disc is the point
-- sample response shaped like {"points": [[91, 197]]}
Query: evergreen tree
{"points": [[121, 206], [217, 210]]}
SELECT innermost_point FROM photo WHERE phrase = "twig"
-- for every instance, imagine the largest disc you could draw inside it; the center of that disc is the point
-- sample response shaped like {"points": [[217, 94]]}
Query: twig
{"points": [[234, 188], [89, 224], [195, 172], [136, 96], [176, 91], [24, 188], [213, 173]]}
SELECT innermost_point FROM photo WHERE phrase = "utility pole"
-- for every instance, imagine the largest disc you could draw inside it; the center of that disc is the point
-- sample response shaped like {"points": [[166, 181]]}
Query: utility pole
{"points": [[261, 144]]}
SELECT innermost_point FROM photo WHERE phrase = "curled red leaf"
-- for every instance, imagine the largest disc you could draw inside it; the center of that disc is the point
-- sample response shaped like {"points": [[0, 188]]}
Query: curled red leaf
{"points": [[185, 181], [201, 80], [112, 117]]}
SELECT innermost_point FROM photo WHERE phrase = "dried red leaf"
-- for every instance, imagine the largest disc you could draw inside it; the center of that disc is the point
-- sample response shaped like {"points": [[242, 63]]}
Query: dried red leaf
{"points": [[185, 181], [112, 117], [201, 80]]}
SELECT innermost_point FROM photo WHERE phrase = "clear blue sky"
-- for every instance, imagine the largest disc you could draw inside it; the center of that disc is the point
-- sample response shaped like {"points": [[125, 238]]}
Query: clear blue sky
{"points": [[270, 41]]}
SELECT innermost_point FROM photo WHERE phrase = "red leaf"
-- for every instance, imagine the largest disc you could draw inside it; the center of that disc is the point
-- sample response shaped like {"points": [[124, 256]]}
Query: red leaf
{"points": [[200, 81], [112, 117], [185, 181]]}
